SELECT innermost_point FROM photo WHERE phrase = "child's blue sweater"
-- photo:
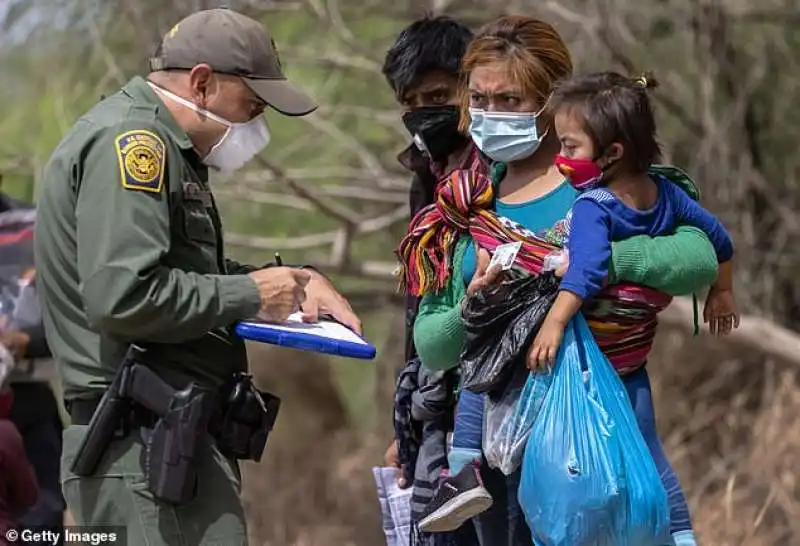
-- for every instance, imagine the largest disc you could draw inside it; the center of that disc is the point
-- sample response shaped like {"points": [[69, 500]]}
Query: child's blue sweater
{"points": [[599, 217]]}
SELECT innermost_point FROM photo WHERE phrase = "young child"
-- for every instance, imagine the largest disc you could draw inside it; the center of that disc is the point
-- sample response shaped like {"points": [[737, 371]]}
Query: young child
{"points": [[18, 488], [607, 131]]}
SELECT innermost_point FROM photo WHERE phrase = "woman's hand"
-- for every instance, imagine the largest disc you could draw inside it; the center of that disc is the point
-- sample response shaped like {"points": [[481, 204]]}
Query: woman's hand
{"points": [[484, 275], [392, 460]]}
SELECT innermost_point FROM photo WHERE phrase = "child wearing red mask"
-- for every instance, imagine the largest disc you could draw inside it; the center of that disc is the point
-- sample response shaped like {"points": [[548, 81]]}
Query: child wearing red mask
{"points": [[607, 131], [18, 488]]}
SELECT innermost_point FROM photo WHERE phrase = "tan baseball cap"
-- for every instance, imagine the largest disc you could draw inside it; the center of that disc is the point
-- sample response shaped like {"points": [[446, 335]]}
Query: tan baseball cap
{"points": [[233, 44]]}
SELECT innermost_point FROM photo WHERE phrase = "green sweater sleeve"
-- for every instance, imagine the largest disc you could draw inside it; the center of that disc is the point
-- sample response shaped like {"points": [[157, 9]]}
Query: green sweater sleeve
{"points": [[679, 264], [438, 330]]}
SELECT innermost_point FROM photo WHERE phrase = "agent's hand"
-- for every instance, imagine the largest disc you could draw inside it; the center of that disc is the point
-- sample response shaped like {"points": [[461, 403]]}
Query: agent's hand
{"points": [[721, 312], [282, 291], [484, 275], [392, 460], [323, 298]]}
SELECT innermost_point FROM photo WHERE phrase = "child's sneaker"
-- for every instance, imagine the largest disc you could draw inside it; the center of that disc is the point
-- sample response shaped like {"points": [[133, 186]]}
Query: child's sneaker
{"points": [[457, 499]]}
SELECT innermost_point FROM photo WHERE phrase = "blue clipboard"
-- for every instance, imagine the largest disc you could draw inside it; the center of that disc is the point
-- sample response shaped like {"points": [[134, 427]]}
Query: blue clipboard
{"points": [[327, 336]]}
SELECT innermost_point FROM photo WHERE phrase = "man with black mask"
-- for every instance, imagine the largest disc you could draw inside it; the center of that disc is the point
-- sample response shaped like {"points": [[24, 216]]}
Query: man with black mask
{"points": [[422, 68]]}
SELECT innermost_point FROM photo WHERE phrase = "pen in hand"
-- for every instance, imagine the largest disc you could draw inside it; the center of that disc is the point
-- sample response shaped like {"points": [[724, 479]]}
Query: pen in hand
{"points": [[278, 260]]}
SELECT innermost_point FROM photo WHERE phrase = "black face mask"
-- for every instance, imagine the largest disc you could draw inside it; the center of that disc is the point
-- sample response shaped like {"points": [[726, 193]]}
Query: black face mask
{"points": [[435, 130]]}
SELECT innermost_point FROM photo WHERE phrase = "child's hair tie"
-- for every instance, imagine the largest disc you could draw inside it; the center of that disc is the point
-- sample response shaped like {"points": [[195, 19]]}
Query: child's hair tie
{"points": [[646, 81]]}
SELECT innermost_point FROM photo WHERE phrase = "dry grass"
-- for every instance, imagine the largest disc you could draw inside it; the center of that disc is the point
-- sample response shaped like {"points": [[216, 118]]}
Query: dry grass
{"points": [[729, 423], [314, 486], [730, 426]]}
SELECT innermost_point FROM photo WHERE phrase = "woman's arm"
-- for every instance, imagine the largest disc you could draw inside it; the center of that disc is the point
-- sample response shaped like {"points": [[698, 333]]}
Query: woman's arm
{"points": [[439, 332], [689, 213], [679, 264]]}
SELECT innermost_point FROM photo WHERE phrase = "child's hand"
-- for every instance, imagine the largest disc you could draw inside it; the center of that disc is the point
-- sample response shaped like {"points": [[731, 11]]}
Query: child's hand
{"points": [[545, 346], [720, 312]]}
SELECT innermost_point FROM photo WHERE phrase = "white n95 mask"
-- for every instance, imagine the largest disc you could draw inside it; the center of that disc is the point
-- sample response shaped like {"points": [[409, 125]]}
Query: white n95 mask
{"points": [[240, 143]]}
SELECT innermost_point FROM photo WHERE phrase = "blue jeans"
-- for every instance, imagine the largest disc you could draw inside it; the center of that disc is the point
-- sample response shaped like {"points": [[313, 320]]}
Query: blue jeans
{"points": [[504, 523], [638, 386], [501, 524], [468, 428]]}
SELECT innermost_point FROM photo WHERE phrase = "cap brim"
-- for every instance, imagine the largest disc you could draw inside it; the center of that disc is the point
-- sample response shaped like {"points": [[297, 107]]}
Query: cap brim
{"points": [[282, 96]]}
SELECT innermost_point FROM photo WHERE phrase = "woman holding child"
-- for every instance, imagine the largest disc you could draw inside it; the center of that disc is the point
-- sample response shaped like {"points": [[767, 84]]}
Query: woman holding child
{"points": [[510, 72]]}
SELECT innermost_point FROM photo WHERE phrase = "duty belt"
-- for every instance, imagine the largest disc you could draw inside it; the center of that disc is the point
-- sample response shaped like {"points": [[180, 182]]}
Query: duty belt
{"points": [[81, 410]]}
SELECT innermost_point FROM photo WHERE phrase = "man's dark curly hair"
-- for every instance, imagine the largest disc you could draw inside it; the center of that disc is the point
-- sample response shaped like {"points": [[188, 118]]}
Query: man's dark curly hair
{"points": [[426, 45]]}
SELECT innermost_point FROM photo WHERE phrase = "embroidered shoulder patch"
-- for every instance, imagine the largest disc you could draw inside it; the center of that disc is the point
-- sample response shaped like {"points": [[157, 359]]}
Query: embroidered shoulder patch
{"points": [[142, 157]]}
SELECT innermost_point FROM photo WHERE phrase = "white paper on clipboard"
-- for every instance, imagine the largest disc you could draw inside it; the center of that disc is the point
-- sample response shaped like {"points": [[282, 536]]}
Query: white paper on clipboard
{"points": [[324, 328]]}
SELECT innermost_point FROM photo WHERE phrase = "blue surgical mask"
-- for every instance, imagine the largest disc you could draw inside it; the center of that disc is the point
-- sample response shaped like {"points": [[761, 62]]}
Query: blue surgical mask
{"points": [[505, 136]]}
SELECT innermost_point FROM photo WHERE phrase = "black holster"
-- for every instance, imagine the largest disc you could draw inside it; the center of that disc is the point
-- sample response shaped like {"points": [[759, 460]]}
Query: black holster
{"points": [[137, 396], [246, 417], [174, 445]]}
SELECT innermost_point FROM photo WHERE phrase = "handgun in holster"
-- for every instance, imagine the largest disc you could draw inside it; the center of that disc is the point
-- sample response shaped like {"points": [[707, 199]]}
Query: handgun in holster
{"points": [[108, 419], [246, 418], [173, 445]]}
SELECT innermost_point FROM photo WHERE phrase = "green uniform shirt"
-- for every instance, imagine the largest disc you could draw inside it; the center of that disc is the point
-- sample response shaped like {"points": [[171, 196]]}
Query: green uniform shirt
{"points": [[128, 248]]}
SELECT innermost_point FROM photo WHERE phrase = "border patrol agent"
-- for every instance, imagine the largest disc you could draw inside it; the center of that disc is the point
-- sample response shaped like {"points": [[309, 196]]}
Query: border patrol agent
{"points": [[129, 250]]}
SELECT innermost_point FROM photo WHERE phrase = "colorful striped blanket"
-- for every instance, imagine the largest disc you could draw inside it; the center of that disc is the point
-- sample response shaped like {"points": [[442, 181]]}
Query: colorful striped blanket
{"points": [[622, 317]]}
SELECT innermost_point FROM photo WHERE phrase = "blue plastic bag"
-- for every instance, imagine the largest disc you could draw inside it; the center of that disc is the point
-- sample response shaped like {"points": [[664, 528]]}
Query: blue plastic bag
{"points": [[587, 475]]}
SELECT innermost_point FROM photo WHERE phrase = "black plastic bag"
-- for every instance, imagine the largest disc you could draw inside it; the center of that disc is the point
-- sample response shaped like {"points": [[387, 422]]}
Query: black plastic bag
{"points": [[501, 322]]}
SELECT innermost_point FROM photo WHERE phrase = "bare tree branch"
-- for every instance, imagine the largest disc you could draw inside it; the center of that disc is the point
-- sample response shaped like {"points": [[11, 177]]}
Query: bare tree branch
{"points": [[342, 214], [334, 60], [351, 175], [318, 239], [108, 57], [754, 333], [773, 17], [369, 160], [239, 192]]}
